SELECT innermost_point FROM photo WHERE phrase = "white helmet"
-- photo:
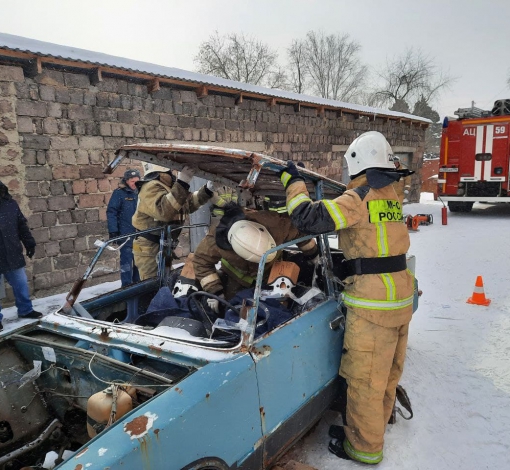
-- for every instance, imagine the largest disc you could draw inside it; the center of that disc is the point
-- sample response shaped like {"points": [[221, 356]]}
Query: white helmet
{"points": [[153, 168], [250, 240], [369, 150]]}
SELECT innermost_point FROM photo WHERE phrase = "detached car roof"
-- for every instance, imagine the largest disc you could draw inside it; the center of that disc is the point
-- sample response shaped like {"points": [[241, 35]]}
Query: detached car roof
{"points": [[250, 170]]}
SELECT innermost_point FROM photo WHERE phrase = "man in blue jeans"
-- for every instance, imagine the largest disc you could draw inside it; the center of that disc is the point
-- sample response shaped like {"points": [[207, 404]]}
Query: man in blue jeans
{"points": [[14, 234], [119, 213]]}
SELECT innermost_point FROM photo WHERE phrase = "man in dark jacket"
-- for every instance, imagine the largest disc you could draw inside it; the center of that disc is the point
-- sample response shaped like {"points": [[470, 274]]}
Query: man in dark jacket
{"points": [[14, 232], [119, 213]]}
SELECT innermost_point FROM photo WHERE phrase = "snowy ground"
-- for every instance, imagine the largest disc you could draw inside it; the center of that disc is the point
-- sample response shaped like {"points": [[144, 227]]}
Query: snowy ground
{"points": [[457, 373]]}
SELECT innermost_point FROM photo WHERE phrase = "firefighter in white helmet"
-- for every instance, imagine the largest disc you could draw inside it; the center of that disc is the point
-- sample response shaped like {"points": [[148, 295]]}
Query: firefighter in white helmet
{"points": [[378, 287], [403, 186], [163, 199], [238, 241]]}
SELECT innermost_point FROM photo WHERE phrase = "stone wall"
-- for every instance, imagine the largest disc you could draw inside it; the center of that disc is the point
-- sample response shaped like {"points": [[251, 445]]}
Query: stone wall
{"points": [[58, 131]]}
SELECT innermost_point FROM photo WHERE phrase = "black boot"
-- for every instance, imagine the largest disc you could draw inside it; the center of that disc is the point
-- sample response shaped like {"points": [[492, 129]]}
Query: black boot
{"points": [[336, 447], [1, 326], [337, 432], [33, 314]]}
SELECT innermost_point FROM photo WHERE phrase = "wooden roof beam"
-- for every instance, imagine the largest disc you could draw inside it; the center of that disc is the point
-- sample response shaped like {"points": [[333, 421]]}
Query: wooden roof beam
{"points": [[153, 85], [201, 91], [271, 102]]}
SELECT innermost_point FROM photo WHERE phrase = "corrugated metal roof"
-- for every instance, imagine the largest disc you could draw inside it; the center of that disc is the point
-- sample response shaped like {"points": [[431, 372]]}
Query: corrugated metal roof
{"points": [[46, 49]]}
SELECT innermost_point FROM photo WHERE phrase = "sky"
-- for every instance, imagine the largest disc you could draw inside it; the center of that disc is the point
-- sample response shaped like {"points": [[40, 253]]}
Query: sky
{"points": [[467, 39], [456, 371]]}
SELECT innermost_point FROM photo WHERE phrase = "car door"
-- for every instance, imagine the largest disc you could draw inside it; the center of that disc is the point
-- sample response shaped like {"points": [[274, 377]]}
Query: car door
{"points": [[297, 368]]}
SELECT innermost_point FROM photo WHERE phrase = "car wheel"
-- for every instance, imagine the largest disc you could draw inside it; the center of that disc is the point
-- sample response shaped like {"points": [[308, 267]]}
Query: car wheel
{"points": [[207, 464]]}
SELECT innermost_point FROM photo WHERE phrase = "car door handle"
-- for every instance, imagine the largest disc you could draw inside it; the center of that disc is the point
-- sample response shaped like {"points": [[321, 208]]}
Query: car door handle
{"points": [[338, 322]]}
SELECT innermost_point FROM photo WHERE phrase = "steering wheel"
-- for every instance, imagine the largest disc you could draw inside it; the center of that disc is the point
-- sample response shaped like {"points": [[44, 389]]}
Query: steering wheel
{"points": [[203, 315]]}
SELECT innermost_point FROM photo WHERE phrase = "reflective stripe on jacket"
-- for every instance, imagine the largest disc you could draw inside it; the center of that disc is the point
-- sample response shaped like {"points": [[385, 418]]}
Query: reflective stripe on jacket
{"points": [[370, 226]]}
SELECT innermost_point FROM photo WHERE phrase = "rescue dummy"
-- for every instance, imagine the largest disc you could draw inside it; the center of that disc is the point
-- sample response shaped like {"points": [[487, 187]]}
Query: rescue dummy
{"points": [[163, 199], [238, 241], [378, 290]]}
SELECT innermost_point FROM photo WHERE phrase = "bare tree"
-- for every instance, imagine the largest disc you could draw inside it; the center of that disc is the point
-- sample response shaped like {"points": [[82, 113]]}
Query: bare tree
{"points": [[297, 59], [410, 77], [329, 64], [240, 58]]}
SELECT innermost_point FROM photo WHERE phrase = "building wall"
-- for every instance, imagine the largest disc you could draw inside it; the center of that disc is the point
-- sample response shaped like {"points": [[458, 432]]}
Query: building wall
{"points": [[429, 174], [58, 131]]}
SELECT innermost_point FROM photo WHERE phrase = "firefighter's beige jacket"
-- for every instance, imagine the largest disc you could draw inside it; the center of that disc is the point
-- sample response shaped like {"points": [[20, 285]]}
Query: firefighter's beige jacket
{"points": [[243, 272], [160, 203], [368, 228]]}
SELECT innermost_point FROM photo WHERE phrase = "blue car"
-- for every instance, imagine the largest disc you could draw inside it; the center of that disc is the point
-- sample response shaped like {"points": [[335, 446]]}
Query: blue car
{"points": [[114, 383]]}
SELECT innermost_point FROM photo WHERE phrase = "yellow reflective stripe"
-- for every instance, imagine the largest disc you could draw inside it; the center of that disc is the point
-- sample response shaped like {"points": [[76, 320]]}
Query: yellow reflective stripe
{"points": [[237, 273], [377, 304], [285, 178], [295, 201], [280, 210], [391, 289], [365, 457], [335, 213], [382, 240], [218, 212]]}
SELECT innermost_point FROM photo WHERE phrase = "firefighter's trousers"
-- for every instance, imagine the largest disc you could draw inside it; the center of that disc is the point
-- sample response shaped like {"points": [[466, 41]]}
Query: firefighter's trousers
{"points": [[372, 364], [146, 257]]}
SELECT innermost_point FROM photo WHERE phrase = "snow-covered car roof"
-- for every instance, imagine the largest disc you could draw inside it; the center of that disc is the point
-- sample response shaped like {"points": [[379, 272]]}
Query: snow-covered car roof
{"points": [[32, 48]]}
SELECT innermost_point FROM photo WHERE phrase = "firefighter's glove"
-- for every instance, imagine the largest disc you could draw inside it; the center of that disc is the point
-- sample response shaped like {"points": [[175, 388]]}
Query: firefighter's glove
{"points": [[210, 186], [209, 189], [290, 175], [214, 304], [30, 251], [186, 174]]}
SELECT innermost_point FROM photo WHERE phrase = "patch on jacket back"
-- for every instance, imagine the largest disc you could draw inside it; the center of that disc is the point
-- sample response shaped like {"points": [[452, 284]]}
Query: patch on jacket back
{"points": [[384, 210]]}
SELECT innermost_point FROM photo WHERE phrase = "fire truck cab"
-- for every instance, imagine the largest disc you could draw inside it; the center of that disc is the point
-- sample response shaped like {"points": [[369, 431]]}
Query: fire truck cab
{"points": [[474, 158]]}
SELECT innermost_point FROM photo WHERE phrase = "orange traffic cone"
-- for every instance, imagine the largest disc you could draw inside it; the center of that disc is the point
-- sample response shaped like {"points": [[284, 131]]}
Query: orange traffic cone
{"points": [[478, 294]]}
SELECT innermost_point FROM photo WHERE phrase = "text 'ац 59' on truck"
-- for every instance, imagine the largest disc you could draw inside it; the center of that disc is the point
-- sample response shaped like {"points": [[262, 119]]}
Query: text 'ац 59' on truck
{"points": [[474, 159]]}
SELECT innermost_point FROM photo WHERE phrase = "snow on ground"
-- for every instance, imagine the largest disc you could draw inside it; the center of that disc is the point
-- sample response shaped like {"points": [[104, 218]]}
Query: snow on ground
{"points": [[51, 304], [457, 373]]}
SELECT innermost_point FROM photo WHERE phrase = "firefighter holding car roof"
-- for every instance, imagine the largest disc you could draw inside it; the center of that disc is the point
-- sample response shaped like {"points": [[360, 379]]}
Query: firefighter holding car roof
{"points": [[378, 290], [239, 240], [163, 199]]}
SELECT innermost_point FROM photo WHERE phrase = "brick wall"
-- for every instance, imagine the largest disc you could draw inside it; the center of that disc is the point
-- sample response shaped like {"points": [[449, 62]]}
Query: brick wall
{"points": [[429, 173], [58, 131]]}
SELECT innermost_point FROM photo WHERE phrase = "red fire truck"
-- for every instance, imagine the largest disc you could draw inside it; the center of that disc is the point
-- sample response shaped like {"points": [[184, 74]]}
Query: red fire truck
{"points": [[474, 159]]}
